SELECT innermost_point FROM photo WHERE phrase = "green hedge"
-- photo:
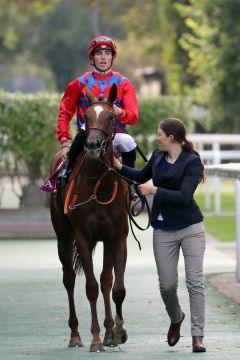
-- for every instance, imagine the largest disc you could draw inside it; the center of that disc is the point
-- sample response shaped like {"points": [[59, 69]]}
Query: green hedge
{"points": [[151, 111], [28, 122], [27, 132]]}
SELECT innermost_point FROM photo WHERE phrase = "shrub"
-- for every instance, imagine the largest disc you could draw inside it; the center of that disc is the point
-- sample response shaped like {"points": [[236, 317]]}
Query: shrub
{"points": [[27, 133], [28, 122], [151, 111]]}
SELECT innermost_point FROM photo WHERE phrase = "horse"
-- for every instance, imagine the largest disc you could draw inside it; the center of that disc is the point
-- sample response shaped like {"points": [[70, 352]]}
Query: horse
{"points": [[98, 213]]}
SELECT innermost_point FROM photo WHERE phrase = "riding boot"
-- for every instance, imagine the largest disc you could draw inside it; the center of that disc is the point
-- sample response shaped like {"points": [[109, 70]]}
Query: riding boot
{"points": [[63, 175], [129, 159], [74, 151]]}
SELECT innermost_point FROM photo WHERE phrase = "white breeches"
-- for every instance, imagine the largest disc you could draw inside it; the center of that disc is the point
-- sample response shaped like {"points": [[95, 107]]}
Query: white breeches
{"points": [[123, 143]]}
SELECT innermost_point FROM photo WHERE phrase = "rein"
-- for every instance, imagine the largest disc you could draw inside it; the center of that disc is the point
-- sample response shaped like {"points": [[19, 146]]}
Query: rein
{"points": [[95, 196], [131, 209], [98, 183]]}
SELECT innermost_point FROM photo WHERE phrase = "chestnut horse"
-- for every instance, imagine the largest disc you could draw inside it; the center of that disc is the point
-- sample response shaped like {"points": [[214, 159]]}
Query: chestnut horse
{"points": [[99, 214]]}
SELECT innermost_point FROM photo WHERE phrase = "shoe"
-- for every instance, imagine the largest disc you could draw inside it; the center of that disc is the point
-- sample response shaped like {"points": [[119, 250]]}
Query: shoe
{"points": [[173, 335], [197, 344], [62, 178]]}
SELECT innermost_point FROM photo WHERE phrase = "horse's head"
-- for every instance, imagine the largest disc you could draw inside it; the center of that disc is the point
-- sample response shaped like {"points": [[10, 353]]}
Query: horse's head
{"points": [[99, 120]]}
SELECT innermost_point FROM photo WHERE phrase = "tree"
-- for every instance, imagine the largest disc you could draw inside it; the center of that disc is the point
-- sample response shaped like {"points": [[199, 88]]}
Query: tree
{"points": [[213, 48], [59, 40], [15, 16], [175, 57], [16, 13]]}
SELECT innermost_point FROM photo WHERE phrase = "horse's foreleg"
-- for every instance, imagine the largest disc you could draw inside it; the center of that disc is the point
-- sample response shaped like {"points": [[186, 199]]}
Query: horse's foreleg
{"points": [[119, 291], [69, 276], [92, 292], [65, 249], [106, 286]]}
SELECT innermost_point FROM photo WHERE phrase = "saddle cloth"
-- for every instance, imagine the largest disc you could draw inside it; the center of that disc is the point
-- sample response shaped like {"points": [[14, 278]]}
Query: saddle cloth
{"points": [[49, 184]]}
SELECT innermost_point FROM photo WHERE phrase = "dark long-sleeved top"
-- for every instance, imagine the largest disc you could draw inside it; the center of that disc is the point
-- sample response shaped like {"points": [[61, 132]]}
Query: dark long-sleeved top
{"points": [[173, 206]]}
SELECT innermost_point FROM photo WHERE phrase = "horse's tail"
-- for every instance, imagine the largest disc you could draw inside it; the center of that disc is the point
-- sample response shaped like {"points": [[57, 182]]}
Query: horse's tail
{"points": [[77, 264]]}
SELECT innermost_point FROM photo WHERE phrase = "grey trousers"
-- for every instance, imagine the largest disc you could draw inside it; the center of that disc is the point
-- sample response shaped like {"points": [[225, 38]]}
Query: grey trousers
{"points": [[166, 246]]}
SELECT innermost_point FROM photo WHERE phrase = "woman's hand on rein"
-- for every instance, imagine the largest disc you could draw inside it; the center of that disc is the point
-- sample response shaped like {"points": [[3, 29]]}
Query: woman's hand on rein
{"points": [[147, 189], [117, 163]]}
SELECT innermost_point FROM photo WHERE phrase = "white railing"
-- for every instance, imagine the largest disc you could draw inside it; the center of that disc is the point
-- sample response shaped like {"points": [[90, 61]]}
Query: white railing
{"points": [[232, 171], [213, 155], [216, 155]]}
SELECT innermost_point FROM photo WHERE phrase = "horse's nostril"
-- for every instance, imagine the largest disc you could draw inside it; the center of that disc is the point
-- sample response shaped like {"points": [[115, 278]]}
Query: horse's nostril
{"points": [[98, 143]]}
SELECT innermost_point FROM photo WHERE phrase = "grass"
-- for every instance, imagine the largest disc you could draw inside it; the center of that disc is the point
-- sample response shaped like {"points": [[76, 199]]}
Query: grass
{"points": [[222, 226]]}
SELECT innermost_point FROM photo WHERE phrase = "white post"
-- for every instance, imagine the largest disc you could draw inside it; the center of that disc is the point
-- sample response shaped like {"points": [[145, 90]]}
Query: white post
{"points": [[217, 195], [207, 195], [216, 153], [217, 181], [207, 192], [237, 207]]}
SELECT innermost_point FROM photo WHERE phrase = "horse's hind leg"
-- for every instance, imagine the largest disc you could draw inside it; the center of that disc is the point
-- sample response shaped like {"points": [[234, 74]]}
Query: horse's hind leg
{"points": [[119, 291], [106, 286], [65, 252]]}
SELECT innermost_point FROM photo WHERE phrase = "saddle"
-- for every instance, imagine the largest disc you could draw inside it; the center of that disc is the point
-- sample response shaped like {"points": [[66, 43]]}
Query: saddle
{"points": [[71, 192]]}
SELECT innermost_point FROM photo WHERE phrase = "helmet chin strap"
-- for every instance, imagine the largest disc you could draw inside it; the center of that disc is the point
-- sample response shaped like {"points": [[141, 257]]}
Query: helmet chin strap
{"points": [[105, 72], [100, 72]]}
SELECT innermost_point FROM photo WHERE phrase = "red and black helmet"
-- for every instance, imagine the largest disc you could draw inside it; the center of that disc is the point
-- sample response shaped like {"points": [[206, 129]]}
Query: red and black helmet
{"points": [[101, 42]]}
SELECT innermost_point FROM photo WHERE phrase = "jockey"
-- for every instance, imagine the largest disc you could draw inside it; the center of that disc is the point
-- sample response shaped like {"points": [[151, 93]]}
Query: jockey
{"points": [[101, 52]]}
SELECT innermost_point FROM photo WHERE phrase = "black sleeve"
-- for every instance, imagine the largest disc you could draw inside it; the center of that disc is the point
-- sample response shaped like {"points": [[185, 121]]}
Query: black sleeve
{"points": [[139, 175]]}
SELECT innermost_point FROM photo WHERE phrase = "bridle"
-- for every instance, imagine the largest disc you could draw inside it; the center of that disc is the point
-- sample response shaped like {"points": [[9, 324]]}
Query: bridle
{"points": [[101, 146]]}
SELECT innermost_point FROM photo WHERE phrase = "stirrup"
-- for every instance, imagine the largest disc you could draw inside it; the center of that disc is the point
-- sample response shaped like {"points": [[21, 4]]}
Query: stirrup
{"points": [[62, 178], [133, 194]]}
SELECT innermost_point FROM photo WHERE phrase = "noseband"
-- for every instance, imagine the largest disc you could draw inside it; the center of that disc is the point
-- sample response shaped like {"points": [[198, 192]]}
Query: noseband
{"points": [[98, 144]]}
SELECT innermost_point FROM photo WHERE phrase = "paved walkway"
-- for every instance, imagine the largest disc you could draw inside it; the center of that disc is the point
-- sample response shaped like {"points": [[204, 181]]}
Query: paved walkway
{"points": [[34, 310], [26, 224]]}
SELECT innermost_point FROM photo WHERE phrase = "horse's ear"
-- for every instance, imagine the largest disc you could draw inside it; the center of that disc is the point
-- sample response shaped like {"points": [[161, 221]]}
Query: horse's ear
{"points": [[112, 93], [90, 95]]}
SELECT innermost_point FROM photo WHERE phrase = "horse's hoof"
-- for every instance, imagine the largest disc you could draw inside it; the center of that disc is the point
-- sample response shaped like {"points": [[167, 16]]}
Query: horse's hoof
{"points": [[96, 348], [75, 342], [108, 341], [120, 338]]}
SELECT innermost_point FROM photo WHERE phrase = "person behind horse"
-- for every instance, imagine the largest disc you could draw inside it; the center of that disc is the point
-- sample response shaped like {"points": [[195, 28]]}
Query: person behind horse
{"points": [[176, 170], [101, 52]]}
